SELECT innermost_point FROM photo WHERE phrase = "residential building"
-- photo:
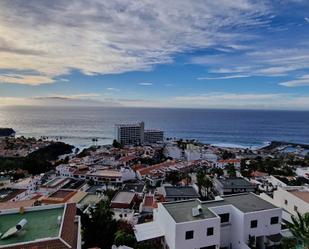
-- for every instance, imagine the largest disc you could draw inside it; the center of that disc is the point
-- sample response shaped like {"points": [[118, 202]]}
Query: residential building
{"points": [[231, 222], [52, 226], [123, 199], [225, 162], [130, 134], [303, 172], [226, 186], [291, 199], [171, 193]]}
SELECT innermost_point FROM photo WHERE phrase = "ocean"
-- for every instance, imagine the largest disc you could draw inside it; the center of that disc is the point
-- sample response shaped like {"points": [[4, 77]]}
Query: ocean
{"points": [[237, 128]]}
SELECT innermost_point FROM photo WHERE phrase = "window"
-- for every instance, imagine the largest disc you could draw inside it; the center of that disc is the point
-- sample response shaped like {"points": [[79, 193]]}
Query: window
{"points": [[274, 220], [208, 247], [189, 235], [295, 208], [210, 231], [286, 202], [254, 223], [224, 217]]}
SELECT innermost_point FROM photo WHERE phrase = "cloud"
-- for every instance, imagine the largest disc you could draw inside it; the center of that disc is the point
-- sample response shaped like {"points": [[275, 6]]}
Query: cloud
{"points": [[25, 79], [242, 101], [307, 19], [145, 84], [264, 60], [102, 37], [224, 77], [296, 83], [112, 89]]}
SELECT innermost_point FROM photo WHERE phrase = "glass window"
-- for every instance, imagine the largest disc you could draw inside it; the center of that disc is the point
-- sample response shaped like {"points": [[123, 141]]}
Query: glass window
{"points": [[210, 231], [224, 217], [274, 220], [189, 235], [254, 223]]}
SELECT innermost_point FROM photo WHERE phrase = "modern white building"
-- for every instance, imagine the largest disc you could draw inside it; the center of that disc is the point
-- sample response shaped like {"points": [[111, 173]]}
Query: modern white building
{"points": [[127, 134], [232, 223], [291, 199]]}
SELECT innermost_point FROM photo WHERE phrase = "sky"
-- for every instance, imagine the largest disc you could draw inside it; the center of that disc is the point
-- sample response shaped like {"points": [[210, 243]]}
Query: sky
{"points": [[242, 54]]}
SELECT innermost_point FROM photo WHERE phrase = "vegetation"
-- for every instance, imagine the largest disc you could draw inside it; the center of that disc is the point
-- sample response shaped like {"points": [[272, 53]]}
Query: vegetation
{"points": [[38, 161], [300, 229], [273, 166], [116, 144], [99, 228], [204, 184]]}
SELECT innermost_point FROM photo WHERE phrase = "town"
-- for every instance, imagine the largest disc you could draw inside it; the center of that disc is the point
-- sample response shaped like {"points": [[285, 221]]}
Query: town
{"points": [[147, 190]]}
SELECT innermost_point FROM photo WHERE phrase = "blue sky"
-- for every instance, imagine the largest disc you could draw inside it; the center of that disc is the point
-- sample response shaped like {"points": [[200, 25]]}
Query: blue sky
{"points": [[205, 54]]}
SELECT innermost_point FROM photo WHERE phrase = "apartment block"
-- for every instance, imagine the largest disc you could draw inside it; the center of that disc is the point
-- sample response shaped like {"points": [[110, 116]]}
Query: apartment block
{"points": [[135, 134], [130, 134], [232, 222]]}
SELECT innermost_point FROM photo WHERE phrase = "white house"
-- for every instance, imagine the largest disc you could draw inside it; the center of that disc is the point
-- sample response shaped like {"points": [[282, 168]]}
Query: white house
{"points": [[292, 199], [303, 172], [231, 222]]}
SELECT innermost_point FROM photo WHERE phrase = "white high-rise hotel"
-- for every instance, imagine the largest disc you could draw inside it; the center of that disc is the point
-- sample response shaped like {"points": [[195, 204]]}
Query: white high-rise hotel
{"points": [[132, 134]]}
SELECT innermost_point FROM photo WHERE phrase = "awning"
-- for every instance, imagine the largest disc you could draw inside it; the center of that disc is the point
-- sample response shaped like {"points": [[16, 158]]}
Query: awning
{"points": [[147, 231]]}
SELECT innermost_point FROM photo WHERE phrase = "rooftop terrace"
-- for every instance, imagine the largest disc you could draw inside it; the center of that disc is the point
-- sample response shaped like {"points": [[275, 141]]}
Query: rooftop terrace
{"points": [[41, 224], [181, 211]]}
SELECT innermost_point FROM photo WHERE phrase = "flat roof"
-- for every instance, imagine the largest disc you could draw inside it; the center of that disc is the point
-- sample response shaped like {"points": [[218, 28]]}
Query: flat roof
{"points": [[136, 187], [304, 195], [236, 183], [40, 224], [146, 231], [181, 211], [180, 191], [106, 173], [9, 193], [123, 197]]}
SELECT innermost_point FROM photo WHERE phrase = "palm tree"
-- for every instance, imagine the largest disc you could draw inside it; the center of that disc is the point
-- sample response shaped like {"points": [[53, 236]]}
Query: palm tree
{"points": [[300, 228], [208, 185]]}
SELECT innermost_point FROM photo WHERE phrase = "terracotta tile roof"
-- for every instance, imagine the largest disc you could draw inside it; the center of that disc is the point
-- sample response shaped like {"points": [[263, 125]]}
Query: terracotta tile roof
{"points": [[146, 171], [69, 228]]}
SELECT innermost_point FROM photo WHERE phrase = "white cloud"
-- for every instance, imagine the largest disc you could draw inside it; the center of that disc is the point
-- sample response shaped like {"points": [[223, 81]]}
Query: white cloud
{"points": [[112, 89], [145, 84], [296, 83], [100, 37], [307, 19], [224, 77], [25, 79]]}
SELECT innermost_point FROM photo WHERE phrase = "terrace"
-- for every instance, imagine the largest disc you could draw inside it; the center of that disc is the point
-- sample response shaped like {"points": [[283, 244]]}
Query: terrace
{"points": [[35, 229]]}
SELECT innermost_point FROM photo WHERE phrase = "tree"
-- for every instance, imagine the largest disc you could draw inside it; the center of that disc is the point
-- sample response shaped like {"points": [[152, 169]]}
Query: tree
{"points": [[116, 144], [204, 183], [300, 228], [100, 228], [124, 239], [200, 181]]}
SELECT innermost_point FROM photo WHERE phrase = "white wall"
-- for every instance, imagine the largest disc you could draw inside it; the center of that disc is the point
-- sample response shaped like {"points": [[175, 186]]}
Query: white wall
{"points": [[264, 227], [200, 238], [166, 224], [281, 195]]}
